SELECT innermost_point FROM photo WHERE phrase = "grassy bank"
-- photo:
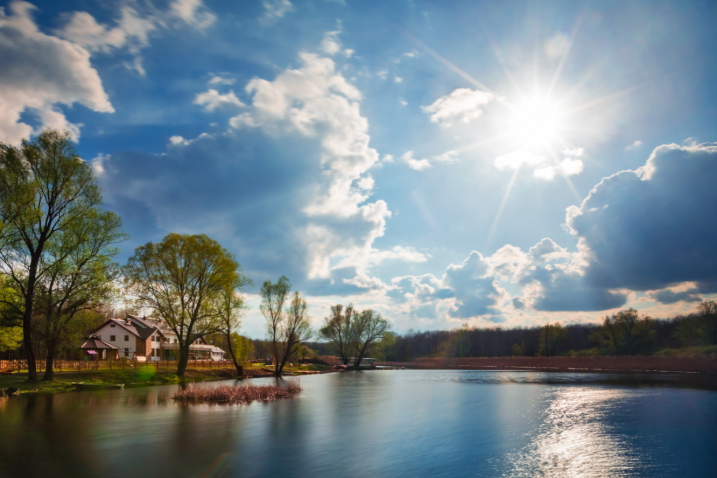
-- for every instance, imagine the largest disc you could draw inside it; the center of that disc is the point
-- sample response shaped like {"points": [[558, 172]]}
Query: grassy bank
{"points": [[130, 377]]}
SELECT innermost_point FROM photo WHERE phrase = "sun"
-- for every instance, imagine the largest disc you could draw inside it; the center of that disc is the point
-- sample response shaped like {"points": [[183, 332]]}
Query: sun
{"points": [[536, 122]]}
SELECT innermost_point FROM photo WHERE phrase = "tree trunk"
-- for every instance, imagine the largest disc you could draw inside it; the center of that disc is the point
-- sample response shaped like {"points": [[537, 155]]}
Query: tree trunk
{"points": [[49, 372], [240, 369], [183, 359], [27, 340]]}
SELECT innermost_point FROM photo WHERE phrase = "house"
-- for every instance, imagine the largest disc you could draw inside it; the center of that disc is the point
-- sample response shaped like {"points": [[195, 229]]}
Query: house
{"points": [[151, 339]]}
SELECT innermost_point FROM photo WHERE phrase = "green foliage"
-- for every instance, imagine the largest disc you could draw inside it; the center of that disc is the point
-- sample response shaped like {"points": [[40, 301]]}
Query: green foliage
{"points": [[708, 321], [517, 350], [551, 339], [243, 347], [385, 348], [10, 338], [625, 333], [184, 278], [459, 344], [697, 351]]}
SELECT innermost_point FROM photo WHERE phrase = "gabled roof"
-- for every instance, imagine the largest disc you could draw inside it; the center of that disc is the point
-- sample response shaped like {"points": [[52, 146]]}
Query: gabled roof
{"points": [[95, 342], [136, 327]]}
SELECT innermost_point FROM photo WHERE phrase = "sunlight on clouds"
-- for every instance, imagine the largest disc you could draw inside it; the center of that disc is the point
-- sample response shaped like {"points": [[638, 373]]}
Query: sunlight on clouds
{"points": [[567, 167], [212, 100], [463, 104]]}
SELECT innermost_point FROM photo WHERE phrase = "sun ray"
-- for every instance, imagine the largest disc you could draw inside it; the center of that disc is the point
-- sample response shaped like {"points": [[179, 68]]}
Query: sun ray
{"points": [[503, 202]]}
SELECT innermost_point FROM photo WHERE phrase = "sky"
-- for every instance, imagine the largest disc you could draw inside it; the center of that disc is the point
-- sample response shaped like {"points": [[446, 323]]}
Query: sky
{"points": [[443, 163]]}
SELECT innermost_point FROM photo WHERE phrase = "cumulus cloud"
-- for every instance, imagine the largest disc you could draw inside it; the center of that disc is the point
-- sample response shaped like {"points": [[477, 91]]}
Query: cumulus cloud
{"points": [[670, 296], [417, 164], [39, 72], [212, 99], [219, 80], [192, 12], [310, 215], [650, 228], [463, 104]]}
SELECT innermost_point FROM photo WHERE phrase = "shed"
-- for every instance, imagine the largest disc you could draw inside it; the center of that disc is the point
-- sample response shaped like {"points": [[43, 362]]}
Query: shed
{"points": [[98, 349]]}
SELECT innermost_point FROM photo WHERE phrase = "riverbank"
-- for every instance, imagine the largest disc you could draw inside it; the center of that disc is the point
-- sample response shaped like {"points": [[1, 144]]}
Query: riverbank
{"points": [[650, 364], [141, 377]]}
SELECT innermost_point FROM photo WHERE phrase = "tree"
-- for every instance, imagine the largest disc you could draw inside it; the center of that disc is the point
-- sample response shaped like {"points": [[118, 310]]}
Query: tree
{"points": [[273, 298], [183, 278], [10, 338], [338, 332], [625, 333], [708, 321], [45, 190], [231, 308], [551, 340], [369, 328], [285, 329], [80, 276]]}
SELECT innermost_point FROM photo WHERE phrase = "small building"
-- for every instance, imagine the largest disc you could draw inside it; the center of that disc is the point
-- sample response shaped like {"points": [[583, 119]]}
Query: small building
{"points": [[97, 349]]}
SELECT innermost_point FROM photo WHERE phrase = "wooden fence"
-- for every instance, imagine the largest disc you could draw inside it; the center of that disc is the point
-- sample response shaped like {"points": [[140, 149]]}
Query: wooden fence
{"points": [[574, 364], [19, 366]]}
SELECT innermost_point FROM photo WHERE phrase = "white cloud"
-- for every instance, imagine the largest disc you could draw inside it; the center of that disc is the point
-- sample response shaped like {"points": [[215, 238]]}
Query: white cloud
{"points": [[447, 157], [133, 29], [398, 79], [275, 9], [382, 74], [464, 104], [218, 80], [636, 144], [316, 101], [193, 13], [517, 159], [39, 72], [331, 44], [403, 102], [417, 164], [212, 100], [567, 167]]}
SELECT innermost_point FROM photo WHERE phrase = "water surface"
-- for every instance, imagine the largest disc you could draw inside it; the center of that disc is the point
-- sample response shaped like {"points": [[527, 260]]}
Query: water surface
{"points": [[376, 423]]}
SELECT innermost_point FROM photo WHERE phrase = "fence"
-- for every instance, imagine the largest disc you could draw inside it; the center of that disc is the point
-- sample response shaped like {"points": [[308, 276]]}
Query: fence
{"points": [[577, 364], [78, 365]]}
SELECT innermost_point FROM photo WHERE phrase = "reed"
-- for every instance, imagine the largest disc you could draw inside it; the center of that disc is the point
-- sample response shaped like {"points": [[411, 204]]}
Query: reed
{"points": [[244, 394]]}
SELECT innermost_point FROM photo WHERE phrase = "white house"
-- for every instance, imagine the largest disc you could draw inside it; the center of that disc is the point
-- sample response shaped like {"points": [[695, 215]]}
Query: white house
{"points": [[148, 338]]}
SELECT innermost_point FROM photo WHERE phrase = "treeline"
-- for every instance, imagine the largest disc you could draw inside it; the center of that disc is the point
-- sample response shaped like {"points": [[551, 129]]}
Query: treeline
{"points": [[625, 333]]}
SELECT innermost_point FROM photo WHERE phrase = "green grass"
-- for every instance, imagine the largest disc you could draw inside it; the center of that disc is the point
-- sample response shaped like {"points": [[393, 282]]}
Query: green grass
{"points": [[699, 351], [130, 377]]}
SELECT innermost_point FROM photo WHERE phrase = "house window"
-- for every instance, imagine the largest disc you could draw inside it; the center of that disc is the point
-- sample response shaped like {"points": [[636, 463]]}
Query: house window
{"points": [[112, 325], [126, 338], [112, 338]]}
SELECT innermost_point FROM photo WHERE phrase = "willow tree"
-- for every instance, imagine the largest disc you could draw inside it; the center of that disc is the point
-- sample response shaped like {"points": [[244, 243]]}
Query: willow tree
{"points": [[46, 189], [339, 332], [183, 279]]}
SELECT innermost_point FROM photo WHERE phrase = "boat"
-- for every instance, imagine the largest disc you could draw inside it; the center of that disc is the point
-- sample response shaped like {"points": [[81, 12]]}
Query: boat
{"points": [[96, 386]]}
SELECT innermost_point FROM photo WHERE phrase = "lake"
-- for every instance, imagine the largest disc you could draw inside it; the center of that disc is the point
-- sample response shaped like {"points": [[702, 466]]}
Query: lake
{"points": [[376, 423]]}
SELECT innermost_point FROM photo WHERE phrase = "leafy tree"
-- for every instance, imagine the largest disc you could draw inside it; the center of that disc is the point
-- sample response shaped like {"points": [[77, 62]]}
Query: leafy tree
{"points": [[625, 333], [243, 347], [384, 349], [339, 332], [517, 350], [295, 330], [708, 321], [183, 278], [46, 190], [369, 329], [551, 340]]}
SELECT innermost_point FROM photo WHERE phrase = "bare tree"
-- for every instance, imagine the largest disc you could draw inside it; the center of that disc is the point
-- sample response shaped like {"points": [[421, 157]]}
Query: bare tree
{"points": [[295, 330], [273, 298], [231, 309]]}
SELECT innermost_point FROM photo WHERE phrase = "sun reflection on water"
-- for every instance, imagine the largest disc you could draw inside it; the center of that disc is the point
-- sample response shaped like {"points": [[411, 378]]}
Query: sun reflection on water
{"points": [[575, 439]]}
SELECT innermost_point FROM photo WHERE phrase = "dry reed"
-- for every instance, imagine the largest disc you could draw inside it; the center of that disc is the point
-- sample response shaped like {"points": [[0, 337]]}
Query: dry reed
{"points": [[245, 394]]}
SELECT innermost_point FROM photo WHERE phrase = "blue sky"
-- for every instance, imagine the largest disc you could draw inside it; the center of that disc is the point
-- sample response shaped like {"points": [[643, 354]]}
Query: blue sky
{"points": [[441, 162]]}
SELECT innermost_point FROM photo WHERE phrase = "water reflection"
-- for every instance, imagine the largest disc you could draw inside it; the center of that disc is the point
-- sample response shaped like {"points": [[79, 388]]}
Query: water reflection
{"points": [[576, 440], [398, 423]]}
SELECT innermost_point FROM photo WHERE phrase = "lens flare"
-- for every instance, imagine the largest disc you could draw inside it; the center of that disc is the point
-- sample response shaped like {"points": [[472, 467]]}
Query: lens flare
{"points": [[536, 122]]}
